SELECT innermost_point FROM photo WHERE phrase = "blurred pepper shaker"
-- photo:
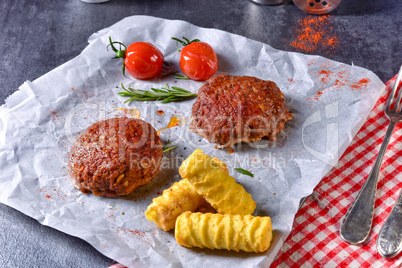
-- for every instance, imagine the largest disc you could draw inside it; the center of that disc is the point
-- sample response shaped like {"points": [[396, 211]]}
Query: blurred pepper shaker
{"points": [[94, 1], [317, 7], [270, 2]]}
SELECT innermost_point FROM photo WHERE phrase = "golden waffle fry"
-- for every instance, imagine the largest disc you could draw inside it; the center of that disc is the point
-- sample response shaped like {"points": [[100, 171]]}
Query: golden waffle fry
{"points": [[218, 231], [180, 197], [210, 178]]}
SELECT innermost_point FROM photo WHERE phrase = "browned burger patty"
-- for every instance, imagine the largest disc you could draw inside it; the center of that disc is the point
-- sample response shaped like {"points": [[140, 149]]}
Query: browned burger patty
{"points": [[115, 156], [233, 109]]}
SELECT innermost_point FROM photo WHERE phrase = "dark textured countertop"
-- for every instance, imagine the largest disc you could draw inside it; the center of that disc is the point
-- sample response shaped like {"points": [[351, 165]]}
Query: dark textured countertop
{"points": [[39, 35]]}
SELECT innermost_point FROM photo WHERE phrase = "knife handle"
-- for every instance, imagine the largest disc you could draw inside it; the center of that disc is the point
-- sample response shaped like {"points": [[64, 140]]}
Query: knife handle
{"points": [[389, 240]]}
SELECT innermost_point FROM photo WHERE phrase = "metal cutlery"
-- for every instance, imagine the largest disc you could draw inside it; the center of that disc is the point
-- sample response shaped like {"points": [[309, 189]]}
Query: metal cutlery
{"points": [[389, 240], [357, 222]]}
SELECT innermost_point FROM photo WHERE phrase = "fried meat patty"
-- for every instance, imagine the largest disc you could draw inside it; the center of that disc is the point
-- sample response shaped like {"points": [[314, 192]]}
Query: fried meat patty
{"points": [[233, 109], [115, 156]]}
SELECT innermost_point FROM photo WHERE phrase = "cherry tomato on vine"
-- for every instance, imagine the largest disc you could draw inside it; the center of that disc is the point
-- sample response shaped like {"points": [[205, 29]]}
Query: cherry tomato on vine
{"points": [[142, 60], [198, 60]]}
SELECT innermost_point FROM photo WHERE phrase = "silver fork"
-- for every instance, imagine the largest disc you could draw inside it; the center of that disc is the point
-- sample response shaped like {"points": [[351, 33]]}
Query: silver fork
{"points": [[357, 222], [389, 239]]}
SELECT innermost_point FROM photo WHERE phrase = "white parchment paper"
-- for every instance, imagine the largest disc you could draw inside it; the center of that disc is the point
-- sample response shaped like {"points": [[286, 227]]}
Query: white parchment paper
{"points": [[39, 122]]}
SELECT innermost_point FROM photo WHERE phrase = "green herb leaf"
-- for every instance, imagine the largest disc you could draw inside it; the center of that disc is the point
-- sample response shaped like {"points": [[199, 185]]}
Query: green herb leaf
{"points": [[244, 172], [167, 148], [175, 75], [180, 76], [164, 94]]}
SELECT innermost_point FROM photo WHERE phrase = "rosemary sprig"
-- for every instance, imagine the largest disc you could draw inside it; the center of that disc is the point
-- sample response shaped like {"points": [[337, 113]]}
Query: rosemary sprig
{"points": [[244, 172], [167, 148], [165, 94], [176, 75], [180, 76]]}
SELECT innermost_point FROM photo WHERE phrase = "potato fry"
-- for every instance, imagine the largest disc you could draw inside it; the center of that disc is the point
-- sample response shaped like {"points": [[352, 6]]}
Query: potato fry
{"points": [[206, 208], [218, 231], [210, 178], [180, 197]]}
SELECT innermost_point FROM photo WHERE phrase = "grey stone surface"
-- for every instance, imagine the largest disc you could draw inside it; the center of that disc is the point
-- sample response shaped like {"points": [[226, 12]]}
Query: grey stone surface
{"points": [[39, 35]]}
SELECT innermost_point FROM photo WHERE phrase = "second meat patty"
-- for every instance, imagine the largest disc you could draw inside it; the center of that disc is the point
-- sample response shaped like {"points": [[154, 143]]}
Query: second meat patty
{"points": [[233, 109]]}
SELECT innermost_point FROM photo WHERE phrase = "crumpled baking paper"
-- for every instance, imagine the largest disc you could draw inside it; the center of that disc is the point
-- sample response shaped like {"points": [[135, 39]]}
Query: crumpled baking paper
{"points": [[39, 122]]}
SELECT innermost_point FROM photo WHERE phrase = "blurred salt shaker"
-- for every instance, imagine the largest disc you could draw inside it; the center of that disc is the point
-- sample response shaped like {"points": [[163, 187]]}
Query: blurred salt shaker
{"points": [[270, 2], [94, 1], [317, 7]]}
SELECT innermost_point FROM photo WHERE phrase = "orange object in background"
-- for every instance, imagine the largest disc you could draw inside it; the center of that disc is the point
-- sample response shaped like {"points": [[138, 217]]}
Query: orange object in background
{"points": [[315, 33], [317, 7]]}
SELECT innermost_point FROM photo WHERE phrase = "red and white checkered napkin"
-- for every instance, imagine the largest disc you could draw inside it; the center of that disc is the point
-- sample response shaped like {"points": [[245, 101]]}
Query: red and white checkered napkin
{"points": [[314, 240]]}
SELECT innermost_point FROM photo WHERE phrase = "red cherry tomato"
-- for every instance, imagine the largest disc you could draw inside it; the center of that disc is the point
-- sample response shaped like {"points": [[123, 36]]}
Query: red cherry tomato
{"points": [[143, 60], [198, 61]]}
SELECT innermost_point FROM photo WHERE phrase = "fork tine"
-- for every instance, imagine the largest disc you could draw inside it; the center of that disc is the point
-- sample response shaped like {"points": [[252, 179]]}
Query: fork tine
{"points": [[398, 79], [391, 96]]}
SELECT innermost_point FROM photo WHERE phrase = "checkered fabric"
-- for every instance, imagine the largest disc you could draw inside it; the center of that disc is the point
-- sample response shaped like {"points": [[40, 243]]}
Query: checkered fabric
{"points": [[314, 240]]}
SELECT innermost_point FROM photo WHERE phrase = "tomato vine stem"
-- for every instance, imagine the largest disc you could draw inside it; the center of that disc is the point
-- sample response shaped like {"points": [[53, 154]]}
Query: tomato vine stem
{"points": [[184, 43], [120, 53]]}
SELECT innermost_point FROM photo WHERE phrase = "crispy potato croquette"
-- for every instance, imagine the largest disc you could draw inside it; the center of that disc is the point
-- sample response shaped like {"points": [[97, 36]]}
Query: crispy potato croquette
{"points": [[210, 178], [180, 197], [218, 231]]}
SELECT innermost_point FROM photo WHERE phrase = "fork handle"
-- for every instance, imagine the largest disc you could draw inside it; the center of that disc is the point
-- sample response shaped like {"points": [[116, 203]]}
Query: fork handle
{"points": [[357, 222], [389, 240]]}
